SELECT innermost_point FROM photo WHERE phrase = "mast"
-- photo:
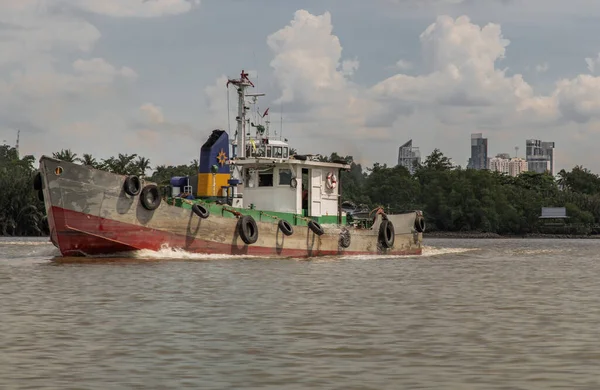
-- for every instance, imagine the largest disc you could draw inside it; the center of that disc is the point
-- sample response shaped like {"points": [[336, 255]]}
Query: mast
{"points": [[242, 83]]}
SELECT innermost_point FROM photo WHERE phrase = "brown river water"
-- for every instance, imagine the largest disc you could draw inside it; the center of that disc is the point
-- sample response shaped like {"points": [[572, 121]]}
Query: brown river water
{"points": [[468, 314]]}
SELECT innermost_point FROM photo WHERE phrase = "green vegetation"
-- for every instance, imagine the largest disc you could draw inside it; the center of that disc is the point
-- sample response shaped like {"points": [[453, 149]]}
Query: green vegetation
{"points": [[21, 212], [452, 198], [455, 199]]}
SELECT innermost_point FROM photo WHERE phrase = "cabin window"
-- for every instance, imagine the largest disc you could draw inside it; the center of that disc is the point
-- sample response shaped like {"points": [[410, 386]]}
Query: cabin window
{"points": [[277, 151], [265, 178], [285, 177], [285, 152], [268, 151]]}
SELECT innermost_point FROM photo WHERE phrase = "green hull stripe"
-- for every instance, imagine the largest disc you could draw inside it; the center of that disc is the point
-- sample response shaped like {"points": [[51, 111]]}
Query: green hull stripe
{"points": [[258, 215]]}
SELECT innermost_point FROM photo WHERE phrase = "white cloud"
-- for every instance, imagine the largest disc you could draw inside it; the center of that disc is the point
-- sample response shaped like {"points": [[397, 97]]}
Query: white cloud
{"points": [[461, 58], [592, 63], [307, 63], [403, 65], [53, 85], [541, 68], [135, 8], [152, 113]]}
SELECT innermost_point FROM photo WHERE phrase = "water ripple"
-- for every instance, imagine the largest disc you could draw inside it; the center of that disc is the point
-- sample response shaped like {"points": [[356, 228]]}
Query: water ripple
{"points": [[470, 314]]}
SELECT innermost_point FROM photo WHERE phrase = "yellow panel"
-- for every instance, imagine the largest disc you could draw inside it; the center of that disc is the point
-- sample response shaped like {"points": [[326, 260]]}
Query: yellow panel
{"points": [[210, 184]]}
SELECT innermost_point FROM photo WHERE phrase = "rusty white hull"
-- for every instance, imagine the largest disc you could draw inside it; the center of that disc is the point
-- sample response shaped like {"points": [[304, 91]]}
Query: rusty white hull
{"points": [[89, 213]]}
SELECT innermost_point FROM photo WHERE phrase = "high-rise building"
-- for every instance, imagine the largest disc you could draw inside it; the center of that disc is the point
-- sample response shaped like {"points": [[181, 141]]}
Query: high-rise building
{"points": [[409, 156], [499, 164], [516, 166], [479, 146], [540, 156], [510, 166]]}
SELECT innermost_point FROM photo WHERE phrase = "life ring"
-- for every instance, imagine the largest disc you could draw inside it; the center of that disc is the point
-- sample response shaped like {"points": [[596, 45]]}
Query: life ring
{"points": [[150, 197], [387, 234], [285, 227], [316, 228], [200, 211], [132, 185], [248, 230], [331, 180], [293, 182]]}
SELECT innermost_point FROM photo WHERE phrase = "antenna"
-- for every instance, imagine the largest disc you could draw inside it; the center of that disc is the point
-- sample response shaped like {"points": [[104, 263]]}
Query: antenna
{"points": [[281, 124]]}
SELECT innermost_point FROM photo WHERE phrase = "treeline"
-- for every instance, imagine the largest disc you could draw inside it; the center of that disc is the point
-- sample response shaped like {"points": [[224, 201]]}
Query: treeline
{"points": [[456, 199], [452, 198], [130, 164]]}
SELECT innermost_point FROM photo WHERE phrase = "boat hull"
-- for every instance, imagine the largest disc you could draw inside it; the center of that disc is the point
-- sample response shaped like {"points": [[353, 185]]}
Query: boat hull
{"points": [[90, 213]]}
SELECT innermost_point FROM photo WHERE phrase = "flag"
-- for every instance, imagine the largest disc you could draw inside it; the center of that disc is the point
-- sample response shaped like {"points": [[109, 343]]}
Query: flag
{"points": [[266, 112]]}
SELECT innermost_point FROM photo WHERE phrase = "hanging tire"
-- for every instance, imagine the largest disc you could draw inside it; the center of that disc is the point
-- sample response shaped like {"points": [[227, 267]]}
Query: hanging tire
{"points": [[200, 211], [37, 181], [150, 197], [420, 224], [285, 227], [248, 230], [132, 185], [387, 234], [316, 228], [345, 238]]}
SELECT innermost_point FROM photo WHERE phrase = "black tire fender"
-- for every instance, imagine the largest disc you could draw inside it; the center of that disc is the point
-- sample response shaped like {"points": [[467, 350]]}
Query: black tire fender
{"points": [[285, 227], [132, 185], [37, 181], [316, 228], [420, 224], [248, 230], [345, 238], [150, 197], [387, 234], [200, 211], [41, 195]]}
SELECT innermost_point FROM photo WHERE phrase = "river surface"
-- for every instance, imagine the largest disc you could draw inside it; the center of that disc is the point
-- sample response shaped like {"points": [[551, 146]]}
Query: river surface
{"points": [[467, 314]]}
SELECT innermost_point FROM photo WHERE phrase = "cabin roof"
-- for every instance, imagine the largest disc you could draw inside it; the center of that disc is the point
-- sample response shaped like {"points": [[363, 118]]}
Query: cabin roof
{"points": [[250, 162]]}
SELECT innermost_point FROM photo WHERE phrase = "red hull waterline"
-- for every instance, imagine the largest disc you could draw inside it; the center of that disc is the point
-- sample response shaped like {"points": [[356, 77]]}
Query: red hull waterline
{"points": [[88, 235]]}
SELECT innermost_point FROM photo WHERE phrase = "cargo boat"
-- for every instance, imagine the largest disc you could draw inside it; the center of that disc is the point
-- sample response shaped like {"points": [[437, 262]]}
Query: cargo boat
{"points": [[253, 195]]}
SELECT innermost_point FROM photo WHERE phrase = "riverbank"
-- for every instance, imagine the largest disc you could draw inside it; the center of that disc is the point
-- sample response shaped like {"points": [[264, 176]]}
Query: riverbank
{"points": [[487, 235]]}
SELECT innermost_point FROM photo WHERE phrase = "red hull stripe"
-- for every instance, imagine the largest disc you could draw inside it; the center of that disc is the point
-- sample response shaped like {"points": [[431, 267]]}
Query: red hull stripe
{"points": [[83, 234]]}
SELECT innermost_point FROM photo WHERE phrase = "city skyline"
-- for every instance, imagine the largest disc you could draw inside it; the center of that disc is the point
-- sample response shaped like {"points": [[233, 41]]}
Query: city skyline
{"points": [[539, 157]]}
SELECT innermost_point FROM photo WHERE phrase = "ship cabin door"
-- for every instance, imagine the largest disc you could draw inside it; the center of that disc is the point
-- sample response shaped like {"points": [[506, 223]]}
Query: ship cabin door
{"points": [[316, 181]]}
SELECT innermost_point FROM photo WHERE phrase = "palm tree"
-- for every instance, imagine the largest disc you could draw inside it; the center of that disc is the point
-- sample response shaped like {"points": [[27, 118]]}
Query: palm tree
{"points": [[123, 165], [562, 180], [87, 159], [65, 155], [142, 164]]}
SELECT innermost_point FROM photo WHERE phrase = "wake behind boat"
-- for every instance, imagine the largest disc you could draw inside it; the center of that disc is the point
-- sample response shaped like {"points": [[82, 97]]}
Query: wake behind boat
{"points": [[260, 199]]}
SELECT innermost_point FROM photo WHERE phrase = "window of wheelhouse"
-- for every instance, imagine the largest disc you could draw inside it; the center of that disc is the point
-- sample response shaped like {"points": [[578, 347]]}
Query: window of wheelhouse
{"points": [[285, 176], [268, 151], [285, 152], [265, 177], [277, 153]]}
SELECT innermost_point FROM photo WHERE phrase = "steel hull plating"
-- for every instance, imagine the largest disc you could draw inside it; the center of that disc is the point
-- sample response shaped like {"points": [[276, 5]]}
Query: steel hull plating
{"points": [[90, 213]]}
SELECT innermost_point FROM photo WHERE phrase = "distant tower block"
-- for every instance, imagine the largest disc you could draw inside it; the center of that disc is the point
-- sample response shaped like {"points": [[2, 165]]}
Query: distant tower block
{"points": [[516, 151]]}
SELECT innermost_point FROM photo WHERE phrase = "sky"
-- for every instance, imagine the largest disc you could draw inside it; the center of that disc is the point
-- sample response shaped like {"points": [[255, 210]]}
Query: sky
{"points": [[354, 77]]}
